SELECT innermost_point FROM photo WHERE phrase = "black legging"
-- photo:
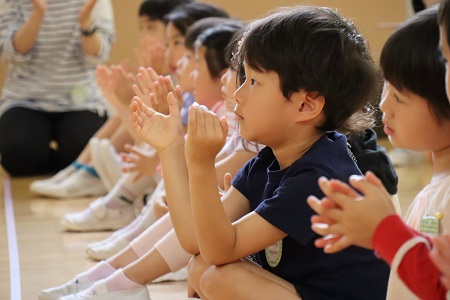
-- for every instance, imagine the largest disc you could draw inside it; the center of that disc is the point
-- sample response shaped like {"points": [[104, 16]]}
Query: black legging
{"points": [[25, 137]]}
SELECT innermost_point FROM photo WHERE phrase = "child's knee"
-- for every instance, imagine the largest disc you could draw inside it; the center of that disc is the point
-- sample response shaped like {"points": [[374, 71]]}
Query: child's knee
{"points": [[196, 268], [216, 278]]}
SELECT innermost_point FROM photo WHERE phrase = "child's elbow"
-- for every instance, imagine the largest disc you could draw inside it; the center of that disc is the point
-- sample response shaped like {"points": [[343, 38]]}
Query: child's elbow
{"points": [[189, 247], [216, 258]]}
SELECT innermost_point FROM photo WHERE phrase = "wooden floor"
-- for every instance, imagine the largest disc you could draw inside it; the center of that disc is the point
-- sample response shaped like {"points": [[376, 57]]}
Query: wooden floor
{"points": [[47, 256]]}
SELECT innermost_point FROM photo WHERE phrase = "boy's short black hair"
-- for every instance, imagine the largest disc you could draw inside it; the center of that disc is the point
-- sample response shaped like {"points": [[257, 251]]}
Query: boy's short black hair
{"points": [[411, 61], [315, 49], [444, 17], [216, 40], [185, 15], [158, 9]]}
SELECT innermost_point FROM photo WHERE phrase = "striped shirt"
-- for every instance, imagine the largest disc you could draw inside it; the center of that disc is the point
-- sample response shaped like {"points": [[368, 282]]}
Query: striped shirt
{"points": [[56, 75]]}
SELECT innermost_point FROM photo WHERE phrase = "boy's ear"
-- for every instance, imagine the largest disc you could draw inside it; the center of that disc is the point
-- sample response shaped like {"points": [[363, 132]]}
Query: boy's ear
{"points": [[309, 104]]}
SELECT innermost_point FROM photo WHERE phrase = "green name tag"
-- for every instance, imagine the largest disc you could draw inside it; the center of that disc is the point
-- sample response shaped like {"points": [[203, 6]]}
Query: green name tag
{"points": [[429, 224]]}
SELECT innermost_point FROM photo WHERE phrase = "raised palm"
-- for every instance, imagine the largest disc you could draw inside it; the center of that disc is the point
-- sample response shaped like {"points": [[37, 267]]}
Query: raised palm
{"points": [[158, 130]]}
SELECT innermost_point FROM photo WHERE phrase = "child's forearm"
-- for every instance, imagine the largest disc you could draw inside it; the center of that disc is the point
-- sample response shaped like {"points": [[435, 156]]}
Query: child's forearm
{"points": [[176, 183], [407, 251], [215, 233]]}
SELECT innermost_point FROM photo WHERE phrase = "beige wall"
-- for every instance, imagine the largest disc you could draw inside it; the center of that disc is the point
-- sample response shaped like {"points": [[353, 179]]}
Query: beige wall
{"points": [[366, 14]]}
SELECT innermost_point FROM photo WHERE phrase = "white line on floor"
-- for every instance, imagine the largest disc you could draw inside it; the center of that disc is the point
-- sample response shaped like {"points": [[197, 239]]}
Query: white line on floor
{"points": [[14, 266]]}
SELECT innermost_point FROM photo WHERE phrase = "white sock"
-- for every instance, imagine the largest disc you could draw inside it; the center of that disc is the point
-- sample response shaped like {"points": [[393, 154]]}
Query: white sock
{"points": [[97, 272], [119, 282]]}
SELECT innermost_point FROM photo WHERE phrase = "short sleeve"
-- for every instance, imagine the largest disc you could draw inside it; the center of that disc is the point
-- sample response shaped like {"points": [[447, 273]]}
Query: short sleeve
{"points": [[11, 20], [287, 208]]}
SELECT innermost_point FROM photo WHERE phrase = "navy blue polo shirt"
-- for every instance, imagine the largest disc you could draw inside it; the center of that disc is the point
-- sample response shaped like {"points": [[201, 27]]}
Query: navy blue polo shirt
{"points": [[279, 196]]}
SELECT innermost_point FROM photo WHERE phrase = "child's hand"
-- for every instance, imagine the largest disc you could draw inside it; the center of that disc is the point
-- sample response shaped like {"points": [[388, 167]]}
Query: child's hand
{"points": [[163, 87], [103, 75], [441, 257], [346, 218], [206, 135], [140, 161], [144, 85], [158, 130], [122, 84], [226, 184]]}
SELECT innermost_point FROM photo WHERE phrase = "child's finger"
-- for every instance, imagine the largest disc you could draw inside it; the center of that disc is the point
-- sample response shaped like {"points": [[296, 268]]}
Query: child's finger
{"points": [[142, 108], [137, 91], [224, 126], [324, 185], [343, 188], [192, 119], [200, 119], [323, 207], [362, 184], [342, 200], [226, 182], [342, 243], [128, 168], [179, 94], [151, 73], [372, 178], [326, 241], [173, 105], [315, 204], [317, 219], [327, 229]]}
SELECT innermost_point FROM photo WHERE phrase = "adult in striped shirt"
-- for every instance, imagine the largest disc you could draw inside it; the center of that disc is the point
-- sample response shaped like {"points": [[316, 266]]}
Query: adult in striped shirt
{"points": [[50, 104]]}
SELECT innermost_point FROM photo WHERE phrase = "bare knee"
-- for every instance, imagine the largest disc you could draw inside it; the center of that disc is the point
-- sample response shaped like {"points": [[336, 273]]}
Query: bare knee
{"points": [[196, 268], [217, 279]]}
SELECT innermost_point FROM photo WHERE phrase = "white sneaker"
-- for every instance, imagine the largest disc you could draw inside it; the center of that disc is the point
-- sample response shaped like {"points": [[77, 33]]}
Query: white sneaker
{"points": [[105, 250], [110, 160], [97, 217], [68, 288], [38, 186], [81, 183], [100, 168], [179, 275], [100, 292]]}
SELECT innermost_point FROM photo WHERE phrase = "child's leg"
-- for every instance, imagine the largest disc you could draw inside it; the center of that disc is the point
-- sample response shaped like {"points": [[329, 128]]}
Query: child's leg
{"points": [[143, 243], [147, 268], [121, 260], [121, 238], [151, 265], [113, 211], [129, 282], [170, 249], [238, 280]]}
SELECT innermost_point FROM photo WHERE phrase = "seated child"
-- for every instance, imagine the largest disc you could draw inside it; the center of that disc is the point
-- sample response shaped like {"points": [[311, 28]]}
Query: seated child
{"points": [[414, 90], [308, 72]]}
